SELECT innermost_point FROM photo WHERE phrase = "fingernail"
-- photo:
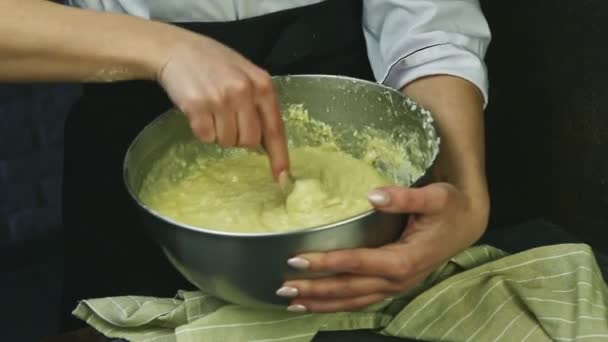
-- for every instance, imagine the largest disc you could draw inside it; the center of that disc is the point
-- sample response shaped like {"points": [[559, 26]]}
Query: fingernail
{"points": [[299, 263], [378, 197], [287, 292], [297, 308]]}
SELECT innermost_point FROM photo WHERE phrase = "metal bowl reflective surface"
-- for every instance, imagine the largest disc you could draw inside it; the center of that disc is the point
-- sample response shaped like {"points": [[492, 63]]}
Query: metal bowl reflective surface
{"points": [[247, 269]]}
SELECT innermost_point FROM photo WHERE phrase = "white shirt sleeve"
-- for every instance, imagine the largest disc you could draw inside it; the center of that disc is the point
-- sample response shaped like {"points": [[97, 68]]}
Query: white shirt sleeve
{"points": [[409, 39]]}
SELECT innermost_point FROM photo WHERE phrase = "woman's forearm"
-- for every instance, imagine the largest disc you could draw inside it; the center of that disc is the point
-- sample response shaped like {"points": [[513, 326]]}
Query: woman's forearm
{"points": [[43, 41], [457, 108]]}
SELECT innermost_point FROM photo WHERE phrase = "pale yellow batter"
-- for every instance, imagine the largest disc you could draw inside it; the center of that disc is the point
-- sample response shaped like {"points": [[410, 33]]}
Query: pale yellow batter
{"points": [[238, 194], [234, 191]]}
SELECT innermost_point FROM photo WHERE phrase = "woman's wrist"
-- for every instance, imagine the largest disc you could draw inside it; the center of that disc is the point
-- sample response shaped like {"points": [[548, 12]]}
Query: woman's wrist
{"points": [[141, 50], [468, 179], [457, 107]]}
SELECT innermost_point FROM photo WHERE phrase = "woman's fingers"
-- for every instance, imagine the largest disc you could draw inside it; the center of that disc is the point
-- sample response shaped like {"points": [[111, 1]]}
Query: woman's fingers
{"points": [[203, 126], [383, 262], [249, 127], [430, 199], [335, 305], [341, 286], [245, 114], [271, 122], [344, 292], [226, 129], [227, 98]]}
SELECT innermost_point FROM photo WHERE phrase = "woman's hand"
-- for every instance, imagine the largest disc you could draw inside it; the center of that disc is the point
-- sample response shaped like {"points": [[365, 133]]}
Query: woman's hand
{"points": [[227, 99], [443, 222], [446, 217]]}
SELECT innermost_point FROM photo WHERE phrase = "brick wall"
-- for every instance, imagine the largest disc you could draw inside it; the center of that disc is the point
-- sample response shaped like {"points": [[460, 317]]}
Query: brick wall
{"points": [[31, 147]]}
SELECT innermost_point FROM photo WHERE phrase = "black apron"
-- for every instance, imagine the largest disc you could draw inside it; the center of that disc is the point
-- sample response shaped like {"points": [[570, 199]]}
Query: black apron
{"points": [[107, 253]]}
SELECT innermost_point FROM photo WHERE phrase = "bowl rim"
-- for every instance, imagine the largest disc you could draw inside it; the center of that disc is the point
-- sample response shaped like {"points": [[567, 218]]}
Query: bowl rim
{"points": [[303, 231]]}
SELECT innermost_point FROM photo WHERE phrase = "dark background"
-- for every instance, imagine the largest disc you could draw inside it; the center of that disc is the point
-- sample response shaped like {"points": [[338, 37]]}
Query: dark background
{"points": [[547, 131], [547, 122]]}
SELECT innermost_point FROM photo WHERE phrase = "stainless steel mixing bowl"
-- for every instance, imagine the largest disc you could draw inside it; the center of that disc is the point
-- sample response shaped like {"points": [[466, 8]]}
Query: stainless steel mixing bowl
{"points": [[247, 269]]}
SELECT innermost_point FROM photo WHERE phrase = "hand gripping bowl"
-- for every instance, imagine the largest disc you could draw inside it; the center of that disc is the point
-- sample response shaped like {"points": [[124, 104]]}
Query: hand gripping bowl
{"points": [[247, 269]]}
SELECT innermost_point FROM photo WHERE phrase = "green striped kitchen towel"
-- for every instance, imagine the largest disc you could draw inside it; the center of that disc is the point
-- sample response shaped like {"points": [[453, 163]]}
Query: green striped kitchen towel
{"points": [[553, 293]]}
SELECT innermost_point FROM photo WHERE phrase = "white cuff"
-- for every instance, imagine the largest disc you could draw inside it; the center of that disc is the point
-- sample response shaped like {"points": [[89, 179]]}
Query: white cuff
{"points": [[442, 59]]}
